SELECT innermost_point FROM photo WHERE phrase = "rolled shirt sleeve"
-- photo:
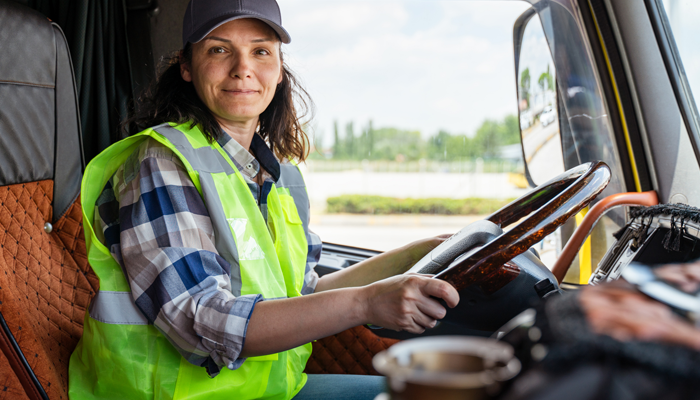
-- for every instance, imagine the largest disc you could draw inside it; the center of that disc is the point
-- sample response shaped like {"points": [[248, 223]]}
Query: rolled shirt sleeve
{"points": [[166, 246]]}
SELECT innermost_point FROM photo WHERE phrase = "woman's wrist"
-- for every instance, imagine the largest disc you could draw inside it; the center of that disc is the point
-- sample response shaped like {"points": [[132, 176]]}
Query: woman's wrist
{"points": [[360, 309]]}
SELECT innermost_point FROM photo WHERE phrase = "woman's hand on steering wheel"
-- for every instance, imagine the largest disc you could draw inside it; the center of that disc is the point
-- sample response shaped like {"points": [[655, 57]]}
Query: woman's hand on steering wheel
{"points": [[407, 302]]}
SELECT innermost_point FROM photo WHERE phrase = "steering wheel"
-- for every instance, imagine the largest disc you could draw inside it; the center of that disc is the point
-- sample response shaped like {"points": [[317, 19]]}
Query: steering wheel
{"points": [[482, 259]]}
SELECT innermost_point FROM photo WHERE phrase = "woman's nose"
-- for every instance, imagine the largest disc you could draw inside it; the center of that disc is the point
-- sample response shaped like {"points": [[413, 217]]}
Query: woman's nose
{"points": [[241, 67]]}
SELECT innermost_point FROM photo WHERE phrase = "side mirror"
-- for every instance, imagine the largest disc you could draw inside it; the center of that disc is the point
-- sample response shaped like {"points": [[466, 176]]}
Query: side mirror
{"points": [[538, 114]]}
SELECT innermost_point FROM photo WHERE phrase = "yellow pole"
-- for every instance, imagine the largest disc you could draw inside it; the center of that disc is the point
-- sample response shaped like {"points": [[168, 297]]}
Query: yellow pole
{"points": [[584, 254]]}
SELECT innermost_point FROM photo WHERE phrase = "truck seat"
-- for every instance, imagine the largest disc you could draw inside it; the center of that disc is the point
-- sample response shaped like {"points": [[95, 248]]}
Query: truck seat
{"points": [[45, 281]]}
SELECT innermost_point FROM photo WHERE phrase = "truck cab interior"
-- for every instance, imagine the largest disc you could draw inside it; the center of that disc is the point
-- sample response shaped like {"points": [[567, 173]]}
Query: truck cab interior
{"points": [[622, 130]]}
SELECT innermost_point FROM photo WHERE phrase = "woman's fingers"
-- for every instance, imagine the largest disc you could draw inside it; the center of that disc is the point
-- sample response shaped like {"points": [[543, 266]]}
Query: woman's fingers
{"points": [[424, 315], [422, 323], [442, 290], [431, 309]]}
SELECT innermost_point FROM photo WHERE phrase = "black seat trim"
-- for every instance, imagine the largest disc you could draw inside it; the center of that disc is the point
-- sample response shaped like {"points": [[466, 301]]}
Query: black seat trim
{"points": [[33, 392]]}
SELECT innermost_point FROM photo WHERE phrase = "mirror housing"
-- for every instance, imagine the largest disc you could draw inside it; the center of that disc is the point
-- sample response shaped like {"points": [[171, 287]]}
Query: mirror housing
{"points": [[518, 33]]}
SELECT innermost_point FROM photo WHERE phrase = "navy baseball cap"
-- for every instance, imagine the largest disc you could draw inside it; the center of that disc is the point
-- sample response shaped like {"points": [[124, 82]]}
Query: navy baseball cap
{"points": [[203, 16]]}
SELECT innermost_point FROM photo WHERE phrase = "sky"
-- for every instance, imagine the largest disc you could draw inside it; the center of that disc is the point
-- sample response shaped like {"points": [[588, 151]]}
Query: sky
{"points": [[420, 65]]}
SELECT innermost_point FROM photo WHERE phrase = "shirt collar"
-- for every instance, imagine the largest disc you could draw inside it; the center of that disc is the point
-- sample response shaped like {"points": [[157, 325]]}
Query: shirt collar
{"points": [[249, 162]]}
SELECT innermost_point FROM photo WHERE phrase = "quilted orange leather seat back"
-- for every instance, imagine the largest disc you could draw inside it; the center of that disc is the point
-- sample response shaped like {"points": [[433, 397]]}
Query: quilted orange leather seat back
{"points": [[348, 352], [46, 283]]}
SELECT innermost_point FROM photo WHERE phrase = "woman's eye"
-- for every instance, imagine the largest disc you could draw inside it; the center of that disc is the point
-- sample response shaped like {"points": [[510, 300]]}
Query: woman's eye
{"points": [[262, 52], [217, 50]]}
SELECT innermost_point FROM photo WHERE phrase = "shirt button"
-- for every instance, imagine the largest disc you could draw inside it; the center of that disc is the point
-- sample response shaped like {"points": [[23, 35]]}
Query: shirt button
{"points": [[249, 166]]}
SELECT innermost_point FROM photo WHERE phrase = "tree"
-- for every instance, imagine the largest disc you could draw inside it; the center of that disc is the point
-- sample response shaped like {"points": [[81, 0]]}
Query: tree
{"points": [[542, 82], [350, 149], [370, 139], [388, 143], [447, 147], [337, 146], [525, 85], [487, 139], [545, 82], [511, 130]]}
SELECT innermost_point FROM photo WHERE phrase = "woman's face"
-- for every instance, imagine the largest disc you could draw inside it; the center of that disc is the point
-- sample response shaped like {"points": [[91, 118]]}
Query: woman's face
{"points": [[235, 70]]}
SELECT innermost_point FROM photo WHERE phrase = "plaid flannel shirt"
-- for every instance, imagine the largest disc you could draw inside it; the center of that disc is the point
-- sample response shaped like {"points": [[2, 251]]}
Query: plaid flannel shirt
{"points": [[157, 228]]}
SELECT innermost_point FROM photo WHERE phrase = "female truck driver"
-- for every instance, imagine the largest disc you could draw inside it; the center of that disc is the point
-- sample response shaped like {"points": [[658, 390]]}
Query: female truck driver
{"points": [[198, 230]]}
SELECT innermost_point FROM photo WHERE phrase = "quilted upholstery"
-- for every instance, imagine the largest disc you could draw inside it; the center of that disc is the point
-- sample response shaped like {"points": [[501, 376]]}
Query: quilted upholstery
{"points": [[348, 352], [46, 283], [10, 388]]}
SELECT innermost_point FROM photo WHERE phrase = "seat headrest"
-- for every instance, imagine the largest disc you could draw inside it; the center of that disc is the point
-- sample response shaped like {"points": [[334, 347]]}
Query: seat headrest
{"points": [[39, 122], [28, 48]]}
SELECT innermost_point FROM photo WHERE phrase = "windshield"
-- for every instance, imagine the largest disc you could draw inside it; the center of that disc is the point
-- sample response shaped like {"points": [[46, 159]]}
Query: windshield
{"points": [[415, 132]]}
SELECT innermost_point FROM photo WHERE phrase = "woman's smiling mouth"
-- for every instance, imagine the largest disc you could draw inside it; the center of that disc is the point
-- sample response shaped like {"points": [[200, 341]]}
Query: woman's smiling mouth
{"points": [[240, 91]]}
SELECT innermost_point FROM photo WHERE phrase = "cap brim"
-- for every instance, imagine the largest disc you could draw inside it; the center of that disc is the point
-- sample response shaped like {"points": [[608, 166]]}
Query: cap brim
{"points": [[206, 29]]}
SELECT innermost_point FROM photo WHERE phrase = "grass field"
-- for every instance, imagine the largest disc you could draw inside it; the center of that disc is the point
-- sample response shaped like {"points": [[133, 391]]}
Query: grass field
{"points": [[381, 205]]}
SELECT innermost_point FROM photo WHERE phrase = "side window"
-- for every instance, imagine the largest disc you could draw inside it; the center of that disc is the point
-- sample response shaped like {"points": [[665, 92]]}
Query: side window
{"points": [[416, 129]]}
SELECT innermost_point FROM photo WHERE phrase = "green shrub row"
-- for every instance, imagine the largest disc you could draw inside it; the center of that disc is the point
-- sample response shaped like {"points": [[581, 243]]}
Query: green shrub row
{"points": [[361, 204]]}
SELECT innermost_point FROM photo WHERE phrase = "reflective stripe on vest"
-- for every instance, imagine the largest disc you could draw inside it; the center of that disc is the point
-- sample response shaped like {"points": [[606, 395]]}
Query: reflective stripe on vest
{"points": [[116, 308], [265, 258]]}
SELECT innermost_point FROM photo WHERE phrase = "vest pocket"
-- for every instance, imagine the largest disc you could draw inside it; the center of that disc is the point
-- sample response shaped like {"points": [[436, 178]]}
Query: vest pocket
{"points": [[290, 209]]}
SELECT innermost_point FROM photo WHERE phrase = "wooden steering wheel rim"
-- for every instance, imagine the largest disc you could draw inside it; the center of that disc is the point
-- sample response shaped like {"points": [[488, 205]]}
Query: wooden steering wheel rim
{"points": [[546, 207]]}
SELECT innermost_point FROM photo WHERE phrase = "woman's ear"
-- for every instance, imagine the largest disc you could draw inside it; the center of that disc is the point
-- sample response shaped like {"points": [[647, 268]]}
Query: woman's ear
{"points": [[185, 69], [281, 75]]}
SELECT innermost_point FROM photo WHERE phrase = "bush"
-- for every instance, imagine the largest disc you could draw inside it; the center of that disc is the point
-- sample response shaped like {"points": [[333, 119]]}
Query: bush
{"points": [[360, 204]]}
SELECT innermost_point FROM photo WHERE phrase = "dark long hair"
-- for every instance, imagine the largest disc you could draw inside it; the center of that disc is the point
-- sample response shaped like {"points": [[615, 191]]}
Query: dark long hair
{"points": [[172, 99]]}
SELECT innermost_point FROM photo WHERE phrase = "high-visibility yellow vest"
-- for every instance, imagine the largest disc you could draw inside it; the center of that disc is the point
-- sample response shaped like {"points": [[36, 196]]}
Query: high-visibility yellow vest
{"points": [[122, 356]]}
